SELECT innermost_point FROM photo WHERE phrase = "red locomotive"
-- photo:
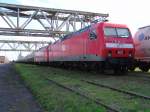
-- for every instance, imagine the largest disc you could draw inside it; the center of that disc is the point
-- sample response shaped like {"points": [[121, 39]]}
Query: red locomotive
{"points": [[98, 46], [41, 56]]}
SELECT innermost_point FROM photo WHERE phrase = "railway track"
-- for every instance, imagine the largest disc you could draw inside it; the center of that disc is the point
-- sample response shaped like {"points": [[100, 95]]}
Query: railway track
{"points": [[97, 100], [139, 74], [118, 90], [84, 95], [136, 75]]}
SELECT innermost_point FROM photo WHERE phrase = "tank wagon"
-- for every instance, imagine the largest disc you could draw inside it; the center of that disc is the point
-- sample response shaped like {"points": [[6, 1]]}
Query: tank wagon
{"points": [[142, 49], [99, 46]]}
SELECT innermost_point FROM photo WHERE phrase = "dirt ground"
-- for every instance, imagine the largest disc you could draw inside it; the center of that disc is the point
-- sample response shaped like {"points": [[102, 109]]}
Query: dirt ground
{"points": [[14, 96]]}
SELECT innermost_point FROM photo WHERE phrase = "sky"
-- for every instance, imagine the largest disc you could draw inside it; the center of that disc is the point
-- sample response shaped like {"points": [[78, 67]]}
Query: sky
{"points": [[134, 13]]}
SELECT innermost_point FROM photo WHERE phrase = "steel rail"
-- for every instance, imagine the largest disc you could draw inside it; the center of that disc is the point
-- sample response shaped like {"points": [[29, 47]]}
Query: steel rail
{"points": [[118, 90], [97, 101], [139, 75]]}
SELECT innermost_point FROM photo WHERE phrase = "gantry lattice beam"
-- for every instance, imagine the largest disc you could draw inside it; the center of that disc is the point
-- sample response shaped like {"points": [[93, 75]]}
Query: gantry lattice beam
{"points": [[17, 45], [20, 20], [45, 22]]}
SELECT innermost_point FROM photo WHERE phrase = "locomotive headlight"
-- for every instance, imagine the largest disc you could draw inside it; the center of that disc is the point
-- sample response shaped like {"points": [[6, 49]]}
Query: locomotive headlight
{"points": [[130, 54], [109, 54]]}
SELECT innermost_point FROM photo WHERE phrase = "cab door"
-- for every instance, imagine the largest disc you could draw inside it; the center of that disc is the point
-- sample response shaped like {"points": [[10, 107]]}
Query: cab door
{"points": [[92, 44]]}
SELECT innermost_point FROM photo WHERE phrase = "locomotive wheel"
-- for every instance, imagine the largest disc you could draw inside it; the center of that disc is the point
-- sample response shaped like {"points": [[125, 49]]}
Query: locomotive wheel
{"points": [[83, 66], [101, 67], [124, 70], [132, 68], [144, 69], [121, 70]]}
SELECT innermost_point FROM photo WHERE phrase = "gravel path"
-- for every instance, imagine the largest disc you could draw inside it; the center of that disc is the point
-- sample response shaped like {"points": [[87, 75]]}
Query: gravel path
{"points": [[14, 96]]}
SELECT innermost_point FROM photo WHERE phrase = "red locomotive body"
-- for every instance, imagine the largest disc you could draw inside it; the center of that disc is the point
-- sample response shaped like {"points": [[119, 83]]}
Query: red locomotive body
{"points": [[99, 45], [41, 56]]}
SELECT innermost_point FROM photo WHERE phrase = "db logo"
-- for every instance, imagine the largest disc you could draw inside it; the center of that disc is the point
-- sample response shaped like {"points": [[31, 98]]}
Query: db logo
{"points": [[141, 37]]}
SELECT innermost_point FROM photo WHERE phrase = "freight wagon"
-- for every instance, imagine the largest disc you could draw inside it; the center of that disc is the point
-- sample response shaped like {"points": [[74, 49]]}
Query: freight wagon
{"points": [[142, 48]]}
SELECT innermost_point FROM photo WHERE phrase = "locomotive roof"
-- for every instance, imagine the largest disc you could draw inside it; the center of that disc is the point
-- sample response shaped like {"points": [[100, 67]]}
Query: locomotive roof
{"points": [[73, 33], [77, 32], [144, 27], [80, 31]]}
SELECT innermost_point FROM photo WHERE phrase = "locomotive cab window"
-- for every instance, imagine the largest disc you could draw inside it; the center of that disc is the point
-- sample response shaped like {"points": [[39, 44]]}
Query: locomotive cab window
{"points": [[108, 31], [123, 32], [116, 32], [92, 35]]}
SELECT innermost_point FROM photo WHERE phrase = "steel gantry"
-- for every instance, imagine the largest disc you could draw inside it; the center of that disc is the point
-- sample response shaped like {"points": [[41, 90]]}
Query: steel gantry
{"points": [[34, 21], [20, 45], [54, 22]]}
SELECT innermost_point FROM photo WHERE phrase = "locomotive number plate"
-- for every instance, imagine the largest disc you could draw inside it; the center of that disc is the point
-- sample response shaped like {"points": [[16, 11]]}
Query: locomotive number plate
{"points": [[120, 52]]}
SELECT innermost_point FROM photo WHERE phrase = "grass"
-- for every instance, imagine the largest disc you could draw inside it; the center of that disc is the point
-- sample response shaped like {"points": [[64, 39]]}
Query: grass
{"points": [[51, 97], [35, 80], [109, 97]]}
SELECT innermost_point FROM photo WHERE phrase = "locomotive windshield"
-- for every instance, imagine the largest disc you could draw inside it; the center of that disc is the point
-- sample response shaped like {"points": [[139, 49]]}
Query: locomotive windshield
{"points": [[116, 32]]}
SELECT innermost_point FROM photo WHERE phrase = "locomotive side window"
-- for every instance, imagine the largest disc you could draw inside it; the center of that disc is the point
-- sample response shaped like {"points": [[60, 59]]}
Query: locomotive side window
{"points": [[116, 32], [92, 35]]}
